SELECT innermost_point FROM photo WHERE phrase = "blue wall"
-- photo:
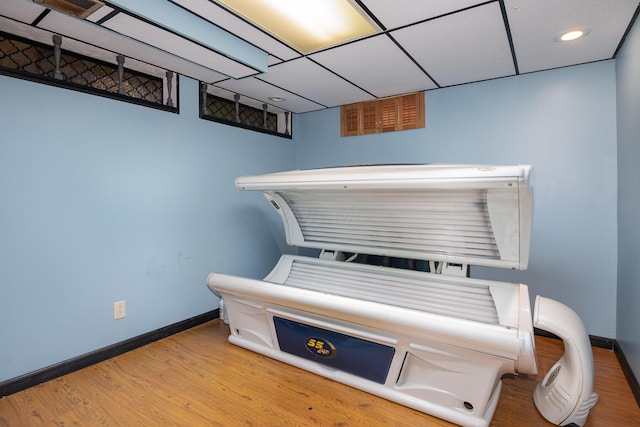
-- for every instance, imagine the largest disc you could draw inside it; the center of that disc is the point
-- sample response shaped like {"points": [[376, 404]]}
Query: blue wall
{"points": [[563, 122], [102, 200], [628, 70]]}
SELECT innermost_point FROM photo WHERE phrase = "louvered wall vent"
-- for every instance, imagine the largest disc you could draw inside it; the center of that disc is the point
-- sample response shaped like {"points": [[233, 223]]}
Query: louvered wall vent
{"points": [[77, 8]]}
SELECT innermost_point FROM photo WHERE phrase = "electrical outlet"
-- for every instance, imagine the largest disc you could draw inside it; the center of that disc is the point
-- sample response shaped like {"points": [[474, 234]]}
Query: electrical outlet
{"points": [[119, 310]]}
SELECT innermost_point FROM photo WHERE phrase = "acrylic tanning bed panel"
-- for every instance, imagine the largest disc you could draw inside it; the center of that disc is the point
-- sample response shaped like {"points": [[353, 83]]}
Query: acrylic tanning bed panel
{"points": [[476, 215]]}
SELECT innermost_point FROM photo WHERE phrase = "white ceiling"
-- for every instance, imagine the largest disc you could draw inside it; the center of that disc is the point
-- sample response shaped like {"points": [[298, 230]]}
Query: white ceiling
{"points": [[422, 45]]}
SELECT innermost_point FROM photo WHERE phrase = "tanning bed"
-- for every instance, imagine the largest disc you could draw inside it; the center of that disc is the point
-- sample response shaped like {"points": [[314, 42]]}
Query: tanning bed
{"points": [[436, 341]]}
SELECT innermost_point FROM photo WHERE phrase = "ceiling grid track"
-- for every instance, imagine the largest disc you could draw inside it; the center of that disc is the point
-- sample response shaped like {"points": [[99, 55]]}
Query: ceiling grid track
{"points": [[419, 46], [503, 9]]}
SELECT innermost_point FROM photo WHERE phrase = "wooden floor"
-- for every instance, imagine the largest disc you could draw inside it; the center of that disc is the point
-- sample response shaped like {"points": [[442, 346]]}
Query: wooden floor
{"points": [[196, 378]]}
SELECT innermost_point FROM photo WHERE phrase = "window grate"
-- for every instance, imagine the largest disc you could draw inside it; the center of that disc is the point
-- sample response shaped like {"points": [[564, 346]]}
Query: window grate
{"points": [[30, 58], [224, 110]]}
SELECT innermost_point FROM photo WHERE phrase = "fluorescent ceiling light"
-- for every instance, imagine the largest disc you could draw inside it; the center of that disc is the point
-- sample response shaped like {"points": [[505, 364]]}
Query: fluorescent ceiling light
{"points": [[306, 25]]}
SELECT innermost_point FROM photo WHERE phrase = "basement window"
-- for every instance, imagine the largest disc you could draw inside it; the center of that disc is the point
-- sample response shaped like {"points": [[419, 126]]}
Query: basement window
{"points": [[50, 64], [383, 115], [226, 107]]}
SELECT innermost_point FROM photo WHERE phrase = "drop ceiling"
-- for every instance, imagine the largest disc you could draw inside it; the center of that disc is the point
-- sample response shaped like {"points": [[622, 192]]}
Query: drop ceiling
{"points": [[421, 45]]}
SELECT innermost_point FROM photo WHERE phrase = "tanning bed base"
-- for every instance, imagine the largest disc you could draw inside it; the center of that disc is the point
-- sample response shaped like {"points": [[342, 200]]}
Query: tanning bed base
{"points": [[442, 353]]}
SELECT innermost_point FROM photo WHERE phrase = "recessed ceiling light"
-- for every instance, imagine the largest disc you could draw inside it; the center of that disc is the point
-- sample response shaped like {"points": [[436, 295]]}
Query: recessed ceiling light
{"points": [[307, 25], [571, 35], [277, 98]]}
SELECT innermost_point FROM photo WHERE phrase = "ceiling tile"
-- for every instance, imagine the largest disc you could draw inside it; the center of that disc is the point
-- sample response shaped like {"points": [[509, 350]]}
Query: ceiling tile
{"points": [[273, 60], [463, 47], [154, 36], [397, 13], [533, 30], [254, 87], [24, 11], [308, 79], [99, 14], [377, 65], [97, 36], [449, 41], [168, 17], [25, 30]]}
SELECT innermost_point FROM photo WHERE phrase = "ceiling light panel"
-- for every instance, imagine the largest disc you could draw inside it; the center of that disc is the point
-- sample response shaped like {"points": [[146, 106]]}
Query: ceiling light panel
{"points": [[394, 14], [310, 80], [222, 18], [534, 30], [306, 25], [460, 48], [376, 65]]}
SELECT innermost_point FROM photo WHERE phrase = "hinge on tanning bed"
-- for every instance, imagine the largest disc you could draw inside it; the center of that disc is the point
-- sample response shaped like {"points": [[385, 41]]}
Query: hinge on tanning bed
{"points": [[449, 268]]}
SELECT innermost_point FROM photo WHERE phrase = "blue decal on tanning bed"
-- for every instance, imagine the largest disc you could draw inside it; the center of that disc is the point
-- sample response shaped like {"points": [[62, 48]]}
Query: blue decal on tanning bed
{"points": [[356, 356]]}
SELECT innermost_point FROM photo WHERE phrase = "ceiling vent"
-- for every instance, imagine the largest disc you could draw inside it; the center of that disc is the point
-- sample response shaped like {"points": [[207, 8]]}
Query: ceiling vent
{"points": [[77, 8]]}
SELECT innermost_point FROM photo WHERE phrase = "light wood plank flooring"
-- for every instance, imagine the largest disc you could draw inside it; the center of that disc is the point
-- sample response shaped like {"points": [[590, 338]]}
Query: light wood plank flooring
{"points": [[196, 378]]}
